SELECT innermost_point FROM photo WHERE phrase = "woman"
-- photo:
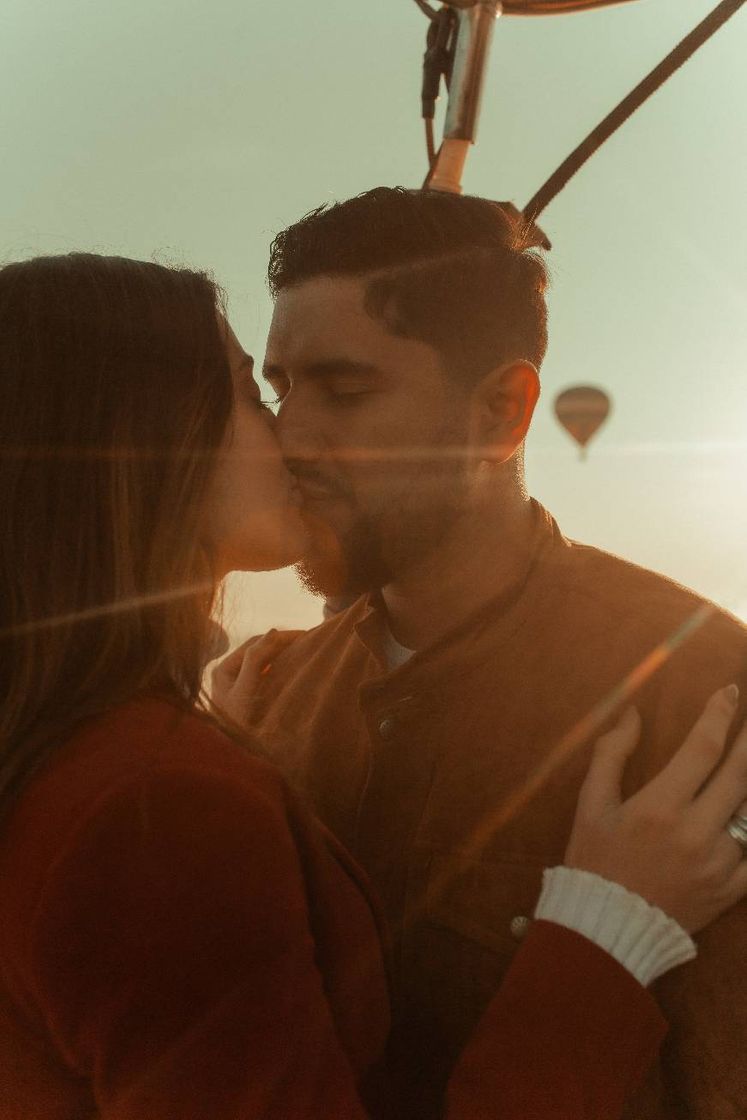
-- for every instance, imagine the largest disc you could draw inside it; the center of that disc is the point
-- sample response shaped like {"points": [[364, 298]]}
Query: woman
{"points": [[178, 938]]}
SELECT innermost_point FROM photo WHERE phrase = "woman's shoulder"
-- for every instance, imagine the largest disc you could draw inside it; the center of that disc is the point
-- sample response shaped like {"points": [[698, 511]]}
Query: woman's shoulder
{"points": [[147, 735], [118, 758], [155, 797]]}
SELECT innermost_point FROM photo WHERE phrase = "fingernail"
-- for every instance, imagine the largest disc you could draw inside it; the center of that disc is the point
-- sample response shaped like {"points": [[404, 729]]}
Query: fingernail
{"points": [[731, 692]]}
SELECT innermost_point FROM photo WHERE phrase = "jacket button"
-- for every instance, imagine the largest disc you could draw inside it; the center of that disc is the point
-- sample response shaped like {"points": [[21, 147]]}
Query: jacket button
{"points": [[387, 727], [519, 926]]}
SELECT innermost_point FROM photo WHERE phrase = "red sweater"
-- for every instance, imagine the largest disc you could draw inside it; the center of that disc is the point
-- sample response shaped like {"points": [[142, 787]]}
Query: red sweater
{"points": [[181, 941]]}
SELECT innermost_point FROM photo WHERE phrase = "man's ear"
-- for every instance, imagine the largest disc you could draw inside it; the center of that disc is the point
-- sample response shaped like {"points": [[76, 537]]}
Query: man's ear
{"points": [[502, 407]]}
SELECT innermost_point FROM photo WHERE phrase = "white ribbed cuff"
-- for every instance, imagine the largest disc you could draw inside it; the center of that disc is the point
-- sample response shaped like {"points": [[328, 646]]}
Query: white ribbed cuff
{"points": [[641, 937]]}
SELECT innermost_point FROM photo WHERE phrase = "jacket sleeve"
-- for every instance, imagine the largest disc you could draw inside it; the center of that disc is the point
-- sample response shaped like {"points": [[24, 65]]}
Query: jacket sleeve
{"points": [[175, 966], [568, 1036]]}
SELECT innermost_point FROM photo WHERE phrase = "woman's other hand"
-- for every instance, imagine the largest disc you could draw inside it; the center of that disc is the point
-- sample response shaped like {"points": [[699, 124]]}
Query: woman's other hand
{"points": [[669, 842], [234, 680]]}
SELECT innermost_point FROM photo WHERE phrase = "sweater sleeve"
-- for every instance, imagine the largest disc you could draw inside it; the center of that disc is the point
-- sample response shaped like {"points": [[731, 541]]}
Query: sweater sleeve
{"points": [[175, 966], [568, 1036], [645, 940]]}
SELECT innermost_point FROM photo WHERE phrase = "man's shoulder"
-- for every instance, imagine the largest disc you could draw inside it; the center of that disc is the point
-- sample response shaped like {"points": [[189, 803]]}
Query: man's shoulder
{"points": [[621, 590]]}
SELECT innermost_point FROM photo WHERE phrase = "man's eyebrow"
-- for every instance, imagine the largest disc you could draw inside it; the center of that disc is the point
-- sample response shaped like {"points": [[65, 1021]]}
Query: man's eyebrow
{"points": [[329, 367]]}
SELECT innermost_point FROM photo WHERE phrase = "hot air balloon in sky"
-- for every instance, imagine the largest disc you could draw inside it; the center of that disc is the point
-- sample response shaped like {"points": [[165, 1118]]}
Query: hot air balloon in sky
{"points": [[582, 410]]}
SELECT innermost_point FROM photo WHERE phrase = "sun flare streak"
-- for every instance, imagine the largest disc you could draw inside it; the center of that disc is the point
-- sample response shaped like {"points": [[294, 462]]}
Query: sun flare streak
{"points": [[589, 725], [133, 603]]}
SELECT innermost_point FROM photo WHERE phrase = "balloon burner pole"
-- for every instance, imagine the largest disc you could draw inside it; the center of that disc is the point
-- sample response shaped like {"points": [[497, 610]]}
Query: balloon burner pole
{"points": [[475, 24]]}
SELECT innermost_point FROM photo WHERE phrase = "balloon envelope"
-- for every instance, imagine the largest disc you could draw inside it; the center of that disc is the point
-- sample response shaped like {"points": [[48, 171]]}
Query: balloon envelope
{"points": [[582, 410]]}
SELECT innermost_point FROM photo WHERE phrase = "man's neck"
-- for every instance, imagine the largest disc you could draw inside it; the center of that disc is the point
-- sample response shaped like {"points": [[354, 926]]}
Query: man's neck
{"points": [[465, 573]]}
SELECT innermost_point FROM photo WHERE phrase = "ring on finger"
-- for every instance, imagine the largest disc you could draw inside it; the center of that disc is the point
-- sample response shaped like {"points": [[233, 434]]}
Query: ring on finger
{"points": [[737, 829]]}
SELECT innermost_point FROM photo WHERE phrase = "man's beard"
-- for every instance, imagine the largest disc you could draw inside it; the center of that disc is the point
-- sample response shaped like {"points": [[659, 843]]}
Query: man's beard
{"points": [[373, 551], [343, 566]]}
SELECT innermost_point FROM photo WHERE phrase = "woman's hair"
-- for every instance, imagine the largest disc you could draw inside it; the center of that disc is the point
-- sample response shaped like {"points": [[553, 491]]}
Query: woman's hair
{"points": [[115, 393]]}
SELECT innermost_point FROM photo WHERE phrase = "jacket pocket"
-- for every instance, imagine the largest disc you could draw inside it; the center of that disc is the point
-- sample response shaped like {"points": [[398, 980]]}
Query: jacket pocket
{"points": [[458, 942], [483, 901]]}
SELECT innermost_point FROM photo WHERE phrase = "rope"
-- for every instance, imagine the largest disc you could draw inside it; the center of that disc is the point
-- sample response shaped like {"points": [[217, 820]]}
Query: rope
{"points": [[430, 143], [687, 47], [426, 8]]}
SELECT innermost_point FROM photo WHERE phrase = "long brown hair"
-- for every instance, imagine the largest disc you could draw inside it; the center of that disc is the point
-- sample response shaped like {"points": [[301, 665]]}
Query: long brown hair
{"points": [[115, 393]]}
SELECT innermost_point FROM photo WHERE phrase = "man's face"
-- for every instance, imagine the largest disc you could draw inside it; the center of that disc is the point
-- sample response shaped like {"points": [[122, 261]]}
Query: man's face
{"points": [[374, 431]]}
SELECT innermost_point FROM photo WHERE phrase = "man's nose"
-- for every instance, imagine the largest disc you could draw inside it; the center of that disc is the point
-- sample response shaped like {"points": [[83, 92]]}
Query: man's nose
{"points": [[299, 434]]}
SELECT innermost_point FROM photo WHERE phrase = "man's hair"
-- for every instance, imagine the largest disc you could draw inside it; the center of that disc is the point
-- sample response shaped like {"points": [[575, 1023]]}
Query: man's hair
{"points": [[452, 271]]}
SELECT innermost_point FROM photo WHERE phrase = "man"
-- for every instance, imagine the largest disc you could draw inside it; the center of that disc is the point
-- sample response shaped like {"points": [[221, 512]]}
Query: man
{"points": [[423, 721]]}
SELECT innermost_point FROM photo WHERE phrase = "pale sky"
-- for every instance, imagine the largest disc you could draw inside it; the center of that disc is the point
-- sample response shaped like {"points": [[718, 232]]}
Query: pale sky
{"points": [[191, 133]]}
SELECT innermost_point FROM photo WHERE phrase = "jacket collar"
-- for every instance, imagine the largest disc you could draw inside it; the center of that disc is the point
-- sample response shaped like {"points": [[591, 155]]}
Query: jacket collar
{"points": [[484, 630]]}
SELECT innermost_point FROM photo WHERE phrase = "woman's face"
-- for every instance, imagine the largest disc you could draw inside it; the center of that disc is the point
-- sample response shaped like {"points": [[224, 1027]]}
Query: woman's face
{"points": [[253, 512]]}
